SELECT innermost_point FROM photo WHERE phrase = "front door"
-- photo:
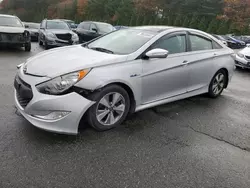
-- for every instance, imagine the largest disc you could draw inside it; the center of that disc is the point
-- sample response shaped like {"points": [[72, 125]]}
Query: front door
{"points": [[167, 77]]}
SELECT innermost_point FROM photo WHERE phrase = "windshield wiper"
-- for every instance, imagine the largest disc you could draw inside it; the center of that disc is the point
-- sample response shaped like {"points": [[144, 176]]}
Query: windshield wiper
{"points": [[102, 50]]}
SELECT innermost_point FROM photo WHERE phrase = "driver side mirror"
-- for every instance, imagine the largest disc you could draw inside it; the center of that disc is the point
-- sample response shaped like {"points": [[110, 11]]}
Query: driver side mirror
{"points": [[26, 26], [157, 53]]}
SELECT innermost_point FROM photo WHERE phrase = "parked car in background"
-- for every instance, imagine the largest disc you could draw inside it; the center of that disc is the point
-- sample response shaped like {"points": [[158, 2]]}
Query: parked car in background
{"points": [[241, 43], [231, 43], [33, 28], [243, 58], [13, 32], [56, 33], [71, 23], [89, 30], [118, 27], [246, 39], [220, 38], [119, 73]]}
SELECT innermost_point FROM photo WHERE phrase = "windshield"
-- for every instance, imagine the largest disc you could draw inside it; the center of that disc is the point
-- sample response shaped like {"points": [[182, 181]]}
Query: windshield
{"points": [[105, 28], [10, 21], [57, 25], [33, 25], [123, 41]]}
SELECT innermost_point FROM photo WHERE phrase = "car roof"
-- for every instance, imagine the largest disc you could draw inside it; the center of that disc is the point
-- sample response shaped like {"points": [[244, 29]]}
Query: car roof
{"points": [[6, 15], [95, 22], [56, 20], [65, 20], [154, 28]]}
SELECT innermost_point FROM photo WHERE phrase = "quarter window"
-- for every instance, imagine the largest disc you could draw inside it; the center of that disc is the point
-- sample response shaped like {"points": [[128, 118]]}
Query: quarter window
{"points": [[93, 26], [174, 44], [86, 26], [199, 43]]}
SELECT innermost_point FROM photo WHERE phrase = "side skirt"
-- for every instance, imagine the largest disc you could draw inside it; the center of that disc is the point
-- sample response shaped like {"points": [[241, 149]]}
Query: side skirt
{"points": [[172, 99]]}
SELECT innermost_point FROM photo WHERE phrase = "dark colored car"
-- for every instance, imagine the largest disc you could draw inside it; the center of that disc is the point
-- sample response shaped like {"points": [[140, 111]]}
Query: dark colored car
{"points": [[89, 30], [13, 32], [246, 39], [33, 28], [56, 33], [231, 43], [240, 43]]}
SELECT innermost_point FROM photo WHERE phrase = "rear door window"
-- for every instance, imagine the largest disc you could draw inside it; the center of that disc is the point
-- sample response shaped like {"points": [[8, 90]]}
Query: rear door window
{"points": [[199, 43]]}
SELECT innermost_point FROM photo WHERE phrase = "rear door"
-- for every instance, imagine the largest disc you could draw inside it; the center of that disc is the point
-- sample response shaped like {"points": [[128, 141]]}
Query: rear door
{"points": [[202, 59]]}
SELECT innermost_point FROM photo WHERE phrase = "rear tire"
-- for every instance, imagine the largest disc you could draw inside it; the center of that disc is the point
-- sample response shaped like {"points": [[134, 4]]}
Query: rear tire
{"points": [[111, 108], [27, 47], [217, 84]]}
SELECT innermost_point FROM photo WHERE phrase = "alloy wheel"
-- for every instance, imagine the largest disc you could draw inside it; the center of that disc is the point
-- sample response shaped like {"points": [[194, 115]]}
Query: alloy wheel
{"points": [[218, 83], [110, 109]]}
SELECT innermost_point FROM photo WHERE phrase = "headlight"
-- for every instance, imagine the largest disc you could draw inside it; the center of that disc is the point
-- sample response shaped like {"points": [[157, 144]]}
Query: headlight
{"points": [[240, 55], [51, 35], [60, 84], [75, 37]]}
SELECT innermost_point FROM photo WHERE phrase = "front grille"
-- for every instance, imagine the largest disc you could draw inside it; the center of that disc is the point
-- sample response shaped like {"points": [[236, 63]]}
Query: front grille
{"points": [[9, 37], [23, 92], [67, 36]]}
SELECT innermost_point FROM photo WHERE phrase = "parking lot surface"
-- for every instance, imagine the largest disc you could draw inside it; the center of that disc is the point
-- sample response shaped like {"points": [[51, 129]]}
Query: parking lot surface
{"points": [[197, 142]]}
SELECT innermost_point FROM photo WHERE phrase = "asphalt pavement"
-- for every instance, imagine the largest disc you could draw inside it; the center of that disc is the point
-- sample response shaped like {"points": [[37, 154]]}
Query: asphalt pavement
{"points": [[197, 142]]}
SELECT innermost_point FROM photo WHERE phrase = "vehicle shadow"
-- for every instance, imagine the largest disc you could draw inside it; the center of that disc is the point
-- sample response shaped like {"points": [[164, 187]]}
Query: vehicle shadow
{"points": [[243, 71], [136, 124], [11, 49]]}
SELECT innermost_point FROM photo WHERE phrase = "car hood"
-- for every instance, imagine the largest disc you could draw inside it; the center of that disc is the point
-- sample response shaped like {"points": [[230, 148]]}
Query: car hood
{"points": [[245, 51], [238, 41], [7, 29], [33, 30], [231, 41], [64, 60], [60, 31]]}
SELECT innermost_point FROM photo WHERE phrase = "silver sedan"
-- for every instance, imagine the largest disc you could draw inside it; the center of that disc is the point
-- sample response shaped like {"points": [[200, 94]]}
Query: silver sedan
{"points": [[126, 71]]}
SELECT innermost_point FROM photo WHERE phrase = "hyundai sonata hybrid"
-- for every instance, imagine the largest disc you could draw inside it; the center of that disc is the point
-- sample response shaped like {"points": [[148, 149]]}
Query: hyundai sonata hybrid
{"points": [[125, 71]]}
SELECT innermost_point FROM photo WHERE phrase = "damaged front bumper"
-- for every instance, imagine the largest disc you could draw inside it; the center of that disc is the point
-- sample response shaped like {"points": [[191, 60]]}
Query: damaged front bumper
{"points": [[60, 114]]}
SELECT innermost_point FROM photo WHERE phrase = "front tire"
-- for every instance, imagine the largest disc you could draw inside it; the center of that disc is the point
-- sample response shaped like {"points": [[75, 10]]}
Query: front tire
{"points": [[40, 42], [218, 84], [27, 47], [46, 46], [111, 108]]}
